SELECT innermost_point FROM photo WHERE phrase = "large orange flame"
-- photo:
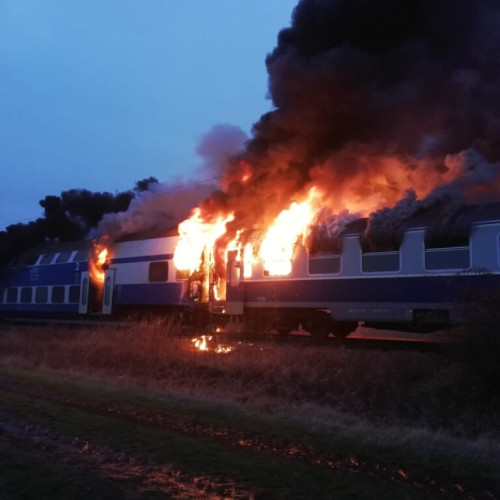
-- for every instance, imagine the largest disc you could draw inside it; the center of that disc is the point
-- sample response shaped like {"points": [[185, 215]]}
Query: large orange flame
{"points": [[275, 246], [196, 235], [99, 258]]}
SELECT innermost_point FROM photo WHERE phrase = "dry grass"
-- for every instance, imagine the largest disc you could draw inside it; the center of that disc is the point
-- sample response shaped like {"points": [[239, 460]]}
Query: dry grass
{"points": [[418, 399], [399, 387]]}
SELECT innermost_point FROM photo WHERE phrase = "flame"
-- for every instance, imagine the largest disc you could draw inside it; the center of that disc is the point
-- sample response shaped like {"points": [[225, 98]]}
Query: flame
{"points": [[99, 258], [195, 235], [248, 260], [276, 250], [203, 344]]}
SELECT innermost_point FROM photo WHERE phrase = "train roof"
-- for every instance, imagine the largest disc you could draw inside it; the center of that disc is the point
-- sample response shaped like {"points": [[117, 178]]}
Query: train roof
{"points": [[465, 215], [49, 247], [66, 246], [149, 235]]}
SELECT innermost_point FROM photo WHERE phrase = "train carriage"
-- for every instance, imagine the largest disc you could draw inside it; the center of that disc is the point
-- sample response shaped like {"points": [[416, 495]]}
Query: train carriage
{"points": [[141, 276], [418, 286], [45, 281]]}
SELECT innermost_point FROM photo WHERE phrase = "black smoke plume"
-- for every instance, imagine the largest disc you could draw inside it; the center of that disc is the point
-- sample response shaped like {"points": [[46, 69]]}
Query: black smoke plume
{"points": [[371, 97], [68, 217]]}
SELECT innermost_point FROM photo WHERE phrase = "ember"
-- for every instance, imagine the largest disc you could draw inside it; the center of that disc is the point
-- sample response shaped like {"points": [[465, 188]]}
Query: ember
{"points": [[206, 343]]}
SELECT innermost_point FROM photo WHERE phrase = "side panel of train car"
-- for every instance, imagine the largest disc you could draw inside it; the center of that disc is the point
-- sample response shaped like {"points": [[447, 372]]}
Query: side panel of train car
{"points": [[53, 281], [44, 282], [142, 275], [413, 288]]}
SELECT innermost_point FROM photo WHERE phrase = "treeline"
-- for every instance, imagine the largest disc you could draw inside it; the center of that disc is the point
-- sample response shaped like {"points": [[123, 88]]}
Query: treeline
{"points": [[68, 217]]}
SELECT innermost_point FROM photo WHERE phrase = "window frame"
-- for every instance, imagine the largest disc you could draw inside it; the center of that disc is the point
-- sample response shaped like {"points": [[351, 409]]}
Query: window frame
{"points": [[158, 271]]}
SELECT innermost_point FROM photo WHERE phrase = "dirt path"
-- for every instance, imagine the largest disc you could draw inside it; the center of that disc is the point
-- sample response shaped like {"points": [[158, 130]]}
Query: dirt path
{"points": [[119, 465]]}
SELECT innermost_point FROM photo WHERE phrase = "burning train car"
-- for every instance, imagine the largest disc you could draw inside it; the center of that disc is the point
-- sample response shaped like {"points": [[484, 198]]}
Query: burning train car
{"points": [[92, 278], [382, 108], [421, 285], [417, 286]]}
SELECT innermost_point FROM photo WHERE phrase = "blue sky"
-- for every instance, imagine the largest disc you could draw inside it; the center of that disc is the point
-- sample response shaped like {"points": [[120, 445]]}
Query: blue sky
{"points": [[98, 94]]}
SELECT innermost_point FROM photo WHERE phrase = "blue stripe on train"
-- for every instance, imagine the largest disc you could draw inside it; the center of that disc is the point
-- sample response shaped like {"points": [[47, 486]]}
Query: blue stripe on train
{"points": [[143, 258], [404, 289], [66, 308], [148, 294]]}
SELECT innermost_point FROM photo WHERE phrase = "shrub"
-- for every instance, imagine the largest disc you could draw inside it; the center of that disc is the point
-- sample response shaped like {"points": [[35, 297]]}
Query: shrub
{"points": [[480, 339]]}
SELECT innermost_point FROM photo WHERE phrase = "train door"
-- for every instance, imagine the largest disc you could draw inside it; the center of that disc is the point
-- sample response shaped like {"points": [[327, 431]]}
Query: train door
{"points": [[234, 290], [107, 296], [83, 307]]}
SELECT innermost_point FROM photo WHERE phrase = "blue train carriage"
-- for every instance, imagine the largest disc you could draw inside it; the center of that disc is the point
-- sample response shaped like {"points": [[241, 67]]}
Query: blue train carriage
{"points": [[419, 286], [52, 281], [141, 278], [44, 282]]}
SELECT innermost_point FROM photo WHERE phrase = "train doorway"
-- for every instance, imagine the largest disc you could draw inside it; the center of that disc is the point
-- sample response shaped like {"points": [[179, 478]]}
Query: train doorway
{"points": [[107, 295], [83, 307], [90, 296]]}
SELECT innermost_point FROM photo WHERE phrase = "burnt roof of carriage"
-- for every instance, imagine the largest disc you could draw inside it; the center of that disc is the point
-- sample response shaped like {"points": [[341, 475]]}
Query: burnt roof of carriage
{"points": [[465, 215]]}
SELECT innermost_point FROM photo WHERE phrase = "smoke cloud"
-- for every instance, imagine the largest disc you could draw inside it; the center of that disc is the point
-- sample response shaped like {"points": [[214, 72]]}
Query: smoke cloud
{"points": [[373, 98], [473, 180], [158, 209], [162, 206]]}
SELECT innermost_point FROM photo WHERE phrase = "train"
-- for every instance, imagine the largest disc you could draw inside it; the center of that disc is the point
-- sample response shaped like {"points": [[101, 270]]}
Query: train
{"points": [[418, 286]]}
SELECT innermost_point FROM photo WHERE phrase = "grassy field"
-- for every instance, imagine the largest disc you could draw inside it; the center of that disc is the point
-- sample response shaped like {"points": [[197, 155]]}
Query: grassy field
{"points": [[138, 412]]}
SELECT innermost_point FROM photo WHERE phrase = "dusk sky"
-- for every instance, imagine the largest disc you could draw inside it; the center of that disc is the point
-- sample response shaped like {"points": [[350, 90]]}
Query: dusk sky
{"points": [[100, 94]]}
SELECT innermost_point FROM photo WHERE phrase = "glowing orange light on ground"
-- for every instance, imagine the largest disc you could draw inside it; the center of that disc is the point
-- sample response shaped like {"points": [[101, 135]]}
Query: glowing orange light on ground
{"points": [[205, 343]]}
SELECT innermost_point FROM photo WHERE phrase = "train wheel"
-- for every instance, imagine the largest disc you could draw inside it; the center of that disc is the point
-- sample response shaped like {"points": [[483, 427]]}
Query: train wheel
{"points": [[341, 329]]}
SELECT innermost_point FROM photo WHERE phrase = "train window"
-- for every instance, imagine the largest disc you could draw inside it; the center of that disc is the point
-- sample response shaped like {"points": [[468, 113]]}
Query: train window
{"points": [[26, 294], [47, 259], [57, 294], [182, 274], [2, 292], [452, 238], [380, 262], [158, 271], [324, 265], [63, 257], [31, 261], [11, 295], [41, 294], [82, 254], [447, 258], [74, 294]]}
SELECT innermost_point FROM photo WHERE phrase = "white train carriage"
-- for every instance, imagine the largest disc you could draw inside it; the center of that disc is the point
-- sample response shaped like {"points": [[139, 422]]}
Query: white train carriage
{"points": [[418, 287]]}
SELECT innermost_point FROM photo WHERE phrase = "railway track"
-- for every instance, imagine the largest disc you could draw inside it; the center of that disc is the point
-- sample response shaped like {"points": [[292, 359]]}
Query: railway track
{"points": [[362, 338]]}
